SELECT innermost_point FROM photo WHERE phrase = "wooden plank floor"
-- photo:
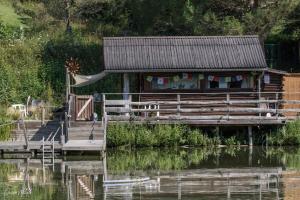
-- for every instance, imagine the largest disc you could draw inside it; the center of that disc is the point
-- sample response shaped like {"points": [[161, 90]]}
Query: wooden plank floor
{"points": [[83, 145]]}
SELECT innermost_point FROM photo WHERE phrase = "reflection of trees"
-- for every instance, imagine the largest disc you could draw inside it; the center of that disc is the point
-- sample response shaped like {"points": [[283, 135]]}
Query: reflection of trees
{"points": [[289, 157], [26, 182], [163, 159]]}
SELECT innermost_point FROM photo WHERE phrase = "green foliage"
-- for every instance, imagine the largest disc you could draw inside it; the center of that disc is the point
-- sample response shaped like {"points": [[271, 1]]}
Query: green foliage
{"points": [[32, 58], [289, 134], [157, 136], [232, 141], [156, 159]]}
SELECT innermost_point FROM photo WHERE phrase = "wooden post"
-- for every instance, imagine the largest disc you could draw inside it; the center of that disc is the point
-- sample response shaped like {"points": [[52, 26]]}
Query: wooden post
{"points": [[276, 104], [228, 101], [125, 86], [103, 105], [259, 91], [126, 90], [250, 156], [43, 116], [178, 104], [250, 136], [62, 137], [67, 85]]}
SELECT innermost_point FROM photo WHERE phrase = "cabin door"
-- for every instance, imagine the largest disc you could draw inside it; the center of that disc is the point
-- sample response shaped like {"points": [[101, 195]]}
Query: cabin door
{"points": [[84, 107]]}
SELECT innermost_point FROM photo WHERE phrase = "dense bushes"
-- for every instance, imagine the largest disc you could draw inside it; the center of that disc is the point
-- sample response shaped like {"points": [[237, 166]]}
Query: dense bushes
{"points": [[288, 135], [157, 136]]}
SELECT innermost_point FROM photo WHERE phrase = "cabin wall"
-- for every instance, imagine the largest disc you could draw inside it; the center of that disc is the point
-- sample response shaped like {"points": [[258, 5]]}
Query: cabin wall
{"points": [[201, 93], [269, 87]]}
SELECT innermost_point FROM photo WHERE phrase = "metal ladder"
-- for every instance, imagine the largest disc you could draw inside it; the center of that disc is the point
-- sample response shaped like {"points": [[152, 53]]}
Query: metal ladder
{"points": [[48, 150]]}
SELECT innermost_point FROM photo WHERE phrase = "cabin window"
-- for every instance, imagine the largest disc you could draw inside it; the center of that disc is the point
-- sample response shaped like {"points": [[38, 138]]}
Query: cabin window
{"points": [[230, 82], [183, 81]]}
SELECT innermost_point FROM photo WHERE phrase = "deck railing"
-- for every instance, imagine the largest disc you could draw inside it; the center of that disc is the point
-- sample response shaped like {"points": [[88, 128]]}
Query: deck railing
{"points": [[201, 106]]}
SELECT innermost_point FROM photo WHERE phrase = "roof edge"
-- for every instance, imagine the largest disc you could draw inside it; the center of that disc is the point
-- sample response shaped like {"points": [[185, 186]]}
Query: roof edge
{"points": [[187, 70], [186, 37]]}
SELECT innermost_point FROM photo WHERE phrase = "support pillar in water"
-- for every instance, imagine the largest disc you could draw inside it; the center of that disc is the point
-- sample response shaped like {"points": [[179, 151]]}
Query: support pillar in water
{"points": [[250, 136]]}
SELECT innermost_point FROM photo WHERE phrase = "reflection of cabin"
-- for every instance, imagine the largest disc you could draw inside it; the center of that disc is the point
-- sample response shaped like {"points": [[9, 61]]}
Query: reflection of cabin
{"points": [[213, 80], [219, 183]]}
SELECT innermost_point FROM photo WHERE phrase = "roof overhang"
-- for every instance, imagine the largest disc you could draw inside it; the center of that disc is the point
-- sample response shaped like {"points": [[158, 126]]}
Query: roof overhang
{"points": [[188, 70]]}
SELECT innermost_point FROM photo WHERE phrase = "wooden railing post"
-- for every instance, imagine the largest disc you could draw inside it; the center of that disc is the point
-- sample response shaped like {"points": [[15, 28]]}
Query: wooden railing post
{"points": [[178, 105], [62, 137], [43, 116], [129, 103], [228, 105], [276, 104], [103, 105]]}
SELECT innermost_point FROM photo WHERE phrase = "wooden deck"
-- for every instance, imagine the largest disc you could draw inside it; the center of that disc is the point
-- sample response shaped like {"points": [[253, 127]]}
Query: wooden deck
{"points": [[83, 145], [54, 137]]}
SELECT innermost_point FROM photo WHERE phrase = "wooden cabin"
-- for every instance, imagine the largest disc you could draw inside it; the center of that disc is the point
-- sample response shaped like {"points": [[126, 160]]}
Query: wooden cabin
{"points": [[207, 76]]}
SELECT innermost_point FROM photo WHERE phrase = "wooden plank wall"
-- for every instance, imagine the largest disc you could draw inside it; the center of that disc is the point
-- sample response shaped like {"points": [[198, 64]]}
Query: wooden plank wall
{"points": [[291, 88]]}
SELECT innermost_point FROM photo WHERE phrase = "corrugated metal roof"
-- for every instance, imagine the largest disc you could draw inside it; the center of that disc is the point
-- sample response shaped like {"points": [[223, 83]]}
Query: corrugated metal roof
{"points": [[195, 53]]}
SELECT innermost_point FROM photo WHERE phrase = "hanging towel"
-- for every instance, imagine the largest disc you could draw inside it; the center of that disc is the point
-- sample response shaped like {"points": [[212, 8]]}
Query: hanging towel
{"points": [[210, 78], [200, 77], [239, 77], [160, 81], [166, 81], [222, 84], [216, 78], [149, 78], [176, 78], [267, 78], [227, 79], [185, 75]]}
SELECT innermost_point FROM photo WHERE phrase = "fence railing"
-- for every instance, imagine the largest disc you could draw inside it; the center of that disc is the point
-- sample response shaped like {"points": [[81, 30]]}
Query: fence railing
{"points": [[202, 106]]}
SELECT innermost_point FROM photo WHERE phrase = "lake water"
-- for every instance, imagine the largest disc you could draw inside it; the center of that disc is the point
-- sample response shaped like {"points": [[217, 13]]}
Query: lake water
{"points": [[181, 173]]}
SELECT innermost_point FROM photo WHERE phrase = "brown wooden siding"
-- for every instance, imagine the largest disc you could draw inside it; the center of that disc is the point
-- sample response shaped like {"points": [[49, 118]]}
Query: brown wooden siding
{"points": [[291, 88], [88, 111]]}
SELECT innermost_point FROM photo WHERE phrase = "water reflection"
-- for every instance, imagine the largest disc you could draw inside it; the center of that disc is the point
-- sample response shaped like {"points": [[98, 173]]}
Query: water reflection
{"points": [[181, 173]]}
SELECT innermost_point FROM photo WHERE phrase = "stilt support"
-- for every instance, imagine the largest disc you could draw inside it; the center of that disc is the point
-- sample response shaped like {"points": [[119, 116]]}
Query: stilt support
{"points": [[250, 136]]}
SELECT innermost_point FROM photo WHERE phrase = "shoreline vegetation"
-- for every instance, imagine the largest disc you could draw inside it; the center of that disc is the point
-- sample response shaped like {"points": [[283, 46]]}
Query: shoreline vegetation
{"points": [[146, 135]]}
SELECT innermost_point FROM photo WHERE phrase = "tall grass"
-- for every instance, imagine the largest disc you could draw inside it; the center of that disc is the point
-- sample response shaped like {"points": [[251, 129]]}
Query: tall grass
{"points": [[157, 136]]}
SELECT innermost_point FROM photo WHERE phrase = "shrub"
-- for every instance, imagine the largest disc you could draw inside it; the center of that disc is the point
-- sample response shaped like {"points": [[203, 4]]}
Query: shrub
{"points": [[232, 141]]}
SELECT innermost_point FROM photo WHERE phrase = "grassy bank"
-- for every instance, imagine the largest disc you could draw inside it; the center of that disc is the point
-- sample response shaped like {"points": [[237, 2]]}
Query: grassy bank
{"points": [[145, 135]]}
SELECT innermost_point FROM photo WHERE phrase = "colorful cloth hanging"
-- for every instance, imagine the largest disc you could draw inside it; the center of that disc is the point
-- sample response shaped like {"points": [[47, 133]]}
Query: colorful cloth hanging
{"points": [[176, 78], [200, 76], [190, 76], [267, 78], [166, 81], [239, 77], [210, 78], [185, 75], [160, 81], [233, 79], [227, 79], [222, 84], [149, 78], [216, 78]]}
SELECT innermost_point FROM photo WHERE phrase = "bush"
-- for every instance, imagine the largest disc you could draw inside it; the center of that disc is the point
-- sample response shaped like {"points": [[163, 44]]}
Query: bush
{"points": [[232, 141], [289, 134], [157, 136]]}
